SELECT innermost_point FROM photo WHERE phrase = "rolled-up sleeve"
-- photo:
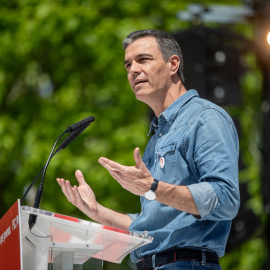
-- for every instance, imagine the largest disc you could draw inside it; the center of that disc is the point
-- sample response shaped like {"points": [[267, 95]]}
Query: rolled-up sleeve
{"points": [[204, 197], [212, 151], [133, 216]]}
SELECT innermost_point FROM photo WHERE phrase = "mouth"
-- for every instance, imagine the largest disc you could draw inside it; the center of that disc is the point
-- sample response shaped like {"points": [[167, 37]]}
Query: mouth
{"points": [[138, 83]]}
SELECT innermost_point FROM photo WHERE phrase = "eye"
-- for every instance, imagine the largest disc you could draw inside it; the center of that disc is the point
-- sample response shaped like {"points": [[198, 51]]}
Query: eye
{"points": [[144, 58]]}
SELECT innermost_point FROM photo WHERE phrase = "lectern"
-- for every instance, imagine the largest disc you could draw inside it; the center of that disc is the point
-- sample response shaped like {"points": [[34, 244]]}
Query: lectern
{"points": [[60, 242]]}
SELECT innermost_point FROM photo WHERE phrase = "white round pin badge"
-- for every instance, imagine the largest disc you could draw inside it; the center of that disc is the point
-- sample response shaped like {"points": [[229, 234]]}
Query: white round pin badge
{"points": [[162, 163]]}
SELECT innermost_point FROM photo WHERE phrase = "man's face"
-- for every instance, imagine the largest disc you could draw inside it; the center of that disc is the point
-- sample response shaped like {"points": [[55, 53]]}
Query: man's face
{"points": [[148, 73]]}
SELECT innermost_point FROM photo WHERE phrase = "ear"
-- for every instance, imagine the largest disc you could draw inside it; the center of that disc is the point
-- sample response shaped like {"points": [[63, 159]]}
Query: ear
{"points": [[175, 62]]}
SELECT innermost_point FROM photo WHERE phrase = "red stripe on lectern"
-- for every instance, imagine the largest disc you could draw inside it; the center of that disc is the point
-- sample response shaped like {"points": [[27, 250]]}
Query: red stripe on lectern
{"points": [[67, 217], [115, 229]]}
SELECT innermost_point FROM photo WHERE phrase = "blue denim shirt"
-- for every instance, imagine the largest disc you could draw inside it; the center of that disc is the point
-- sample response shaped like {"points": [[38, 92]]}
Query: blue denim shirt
{"points": [[198, 143]]}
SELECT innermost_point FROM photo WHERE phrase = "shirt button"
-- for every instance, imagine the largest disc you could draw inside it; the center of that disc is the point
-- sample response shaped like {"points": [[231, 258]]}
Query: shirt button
{"points": [[160, 134]]}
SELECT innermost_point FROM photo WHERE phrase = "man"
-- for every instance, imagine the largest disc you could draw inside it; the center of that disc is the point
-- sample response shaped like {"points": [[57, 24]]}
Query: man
{"points": [[188, 177]]}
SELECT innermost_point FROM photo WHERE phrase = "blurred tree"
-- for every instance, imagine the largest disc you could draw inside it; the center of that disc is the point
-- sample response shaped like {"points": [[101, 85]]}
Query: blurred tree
{"points": [[62, 61]]}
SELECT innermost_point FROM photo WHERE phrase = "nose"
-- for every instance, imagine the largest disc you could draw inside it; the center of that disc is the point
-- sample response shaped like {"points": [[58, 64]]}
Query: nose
{"points": [[134, 68]]}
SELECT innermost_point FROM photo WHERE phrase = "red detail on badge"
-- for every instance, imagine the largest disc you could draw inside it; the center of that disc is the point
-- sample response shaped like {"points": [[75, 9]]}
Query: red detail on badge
{"points": [[162, 163]]}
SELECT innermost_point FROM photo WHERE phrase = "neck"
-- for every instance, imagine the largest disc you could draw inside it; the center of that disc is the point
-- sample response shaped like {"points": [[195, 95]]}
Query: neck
{"points": [[171, 95]]}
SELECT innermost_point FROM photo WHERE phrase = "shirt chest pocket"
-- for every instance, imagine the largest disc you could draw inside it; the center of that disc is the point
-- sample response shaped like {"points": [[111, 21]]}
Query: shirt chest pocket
{"points": [[165, 162]]}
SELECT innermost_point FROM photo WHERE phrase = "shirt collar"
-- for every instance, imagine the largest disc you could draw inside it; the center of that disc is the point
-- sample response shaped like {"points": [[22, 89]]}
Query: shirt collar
{"points": [[171, 112]]}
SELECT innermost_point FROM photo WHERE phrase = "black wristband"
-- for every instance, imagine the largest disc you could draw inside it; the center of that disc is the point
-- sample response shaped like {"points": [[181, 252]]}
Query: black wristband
{"points": [[154, 185]]}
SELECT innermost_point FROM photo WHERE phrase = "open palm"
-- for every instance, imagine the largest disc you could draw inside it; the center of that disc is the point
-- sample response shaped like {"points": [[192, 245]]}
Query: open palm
{"points": [[82, 196]]}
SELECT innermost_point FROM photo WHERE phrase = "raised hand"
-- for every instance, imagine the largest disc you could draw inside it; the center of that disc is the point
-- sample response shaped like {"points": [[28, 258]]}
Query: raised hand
{"points": [[136, 179], [82, 196]]}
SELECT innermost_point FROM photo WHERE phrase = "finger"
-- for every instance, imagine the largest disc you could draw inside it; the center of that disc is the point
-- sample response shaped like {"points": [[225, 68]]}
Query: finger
{"points": [[114, 173], [62, 183], [111, 167], [77, 199], [64, 187], [137, 157], [80, 177], [109, 164], [59, 181], [116, 176], [69, 192]]}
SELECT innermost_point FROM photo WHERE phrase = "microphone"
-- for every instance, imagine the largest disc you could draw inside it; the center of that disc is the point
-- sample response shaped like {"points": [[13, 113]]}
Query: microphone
{"points": [[85, 122], [75, 129], [71, 137]]}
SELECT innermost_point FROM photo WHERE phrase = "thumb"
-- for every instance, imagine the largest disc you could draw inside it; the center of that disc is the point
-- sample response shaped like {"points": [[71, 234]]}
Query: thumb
{"points": [[79, 177], [137, 157]]}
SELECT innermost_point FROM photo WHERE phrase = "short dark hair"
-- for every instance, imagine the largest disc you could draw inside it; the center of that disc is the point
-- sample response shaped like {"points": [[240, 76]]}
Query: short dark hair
{"points": [[167, 44]]}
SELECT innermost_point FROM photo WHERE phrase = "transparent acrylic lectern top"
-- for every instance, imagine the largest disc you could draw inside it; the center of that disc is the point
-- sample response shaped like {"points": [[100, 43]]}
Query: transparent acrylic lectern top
{"points": [[62, 242]]}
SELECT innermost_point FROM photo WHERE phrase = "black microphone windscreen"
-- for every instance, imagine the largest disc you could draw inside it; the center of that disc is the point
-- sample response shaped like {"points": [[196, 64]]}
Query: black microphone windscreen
{"points": [[82, 123], [72, 136]]}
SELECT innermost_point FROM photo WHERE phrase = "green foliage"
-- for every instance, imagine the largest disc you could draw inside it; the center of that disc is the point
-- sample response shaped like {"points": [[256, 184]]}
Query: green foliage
{"points": [[62, 61], [250, 256]]}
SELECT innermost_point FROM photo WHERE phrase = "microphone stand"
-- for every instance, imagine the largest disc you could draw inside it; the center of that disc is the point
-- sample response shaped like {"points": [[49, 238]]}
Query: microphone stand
{"points": [[33, 218], [75, 130]]}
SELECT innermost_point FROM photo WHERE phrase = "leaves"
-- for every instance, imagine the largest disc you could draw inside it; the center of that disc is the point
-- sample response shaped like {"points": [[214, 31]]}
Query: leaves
{"points": [[62, 61]]}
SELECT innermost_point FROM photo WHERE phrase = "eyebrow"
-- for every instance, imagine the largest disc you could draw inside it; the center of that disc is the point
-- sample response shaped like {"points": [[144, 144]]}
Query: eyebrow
{"points": [[139, 56]]}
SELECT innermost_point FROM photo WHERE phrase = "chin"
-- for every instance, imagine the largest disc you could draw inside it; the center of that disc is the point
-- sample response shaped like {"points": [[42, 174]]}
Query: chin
{"points": [[143, 98]]}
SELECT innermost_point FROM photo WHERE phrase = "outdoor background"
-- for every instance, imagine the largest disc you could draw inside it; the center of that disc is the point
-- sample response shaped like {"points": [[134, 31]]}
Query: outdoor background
{"points": [[62, 61]]}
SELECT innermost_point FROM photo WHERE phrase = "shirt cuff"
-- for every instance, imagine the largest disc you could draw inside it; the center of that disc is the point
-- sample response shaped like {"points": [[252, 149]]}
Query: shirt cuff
{"points": [[204, 197], [133, 216]]}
